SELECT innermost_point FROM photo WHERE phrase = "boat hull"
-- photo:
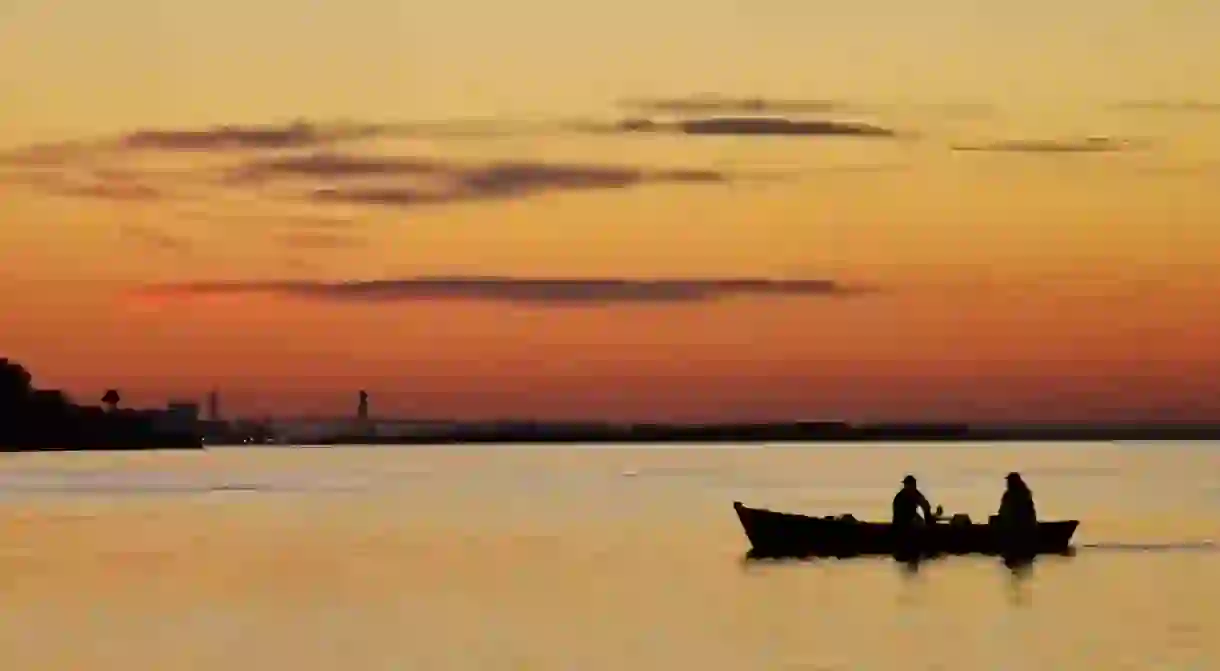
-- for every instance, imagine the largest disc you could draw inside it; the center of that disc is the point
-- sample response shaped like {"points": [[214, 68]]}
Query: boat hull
{"points": [[775, 534]]}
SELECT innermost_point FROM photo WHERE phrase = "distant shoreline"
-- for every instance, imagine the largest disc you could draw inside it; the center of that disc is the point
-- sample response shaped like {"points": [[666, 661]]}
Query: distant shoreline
{"points": [[989, 437], [802, 432], [799, 432]]}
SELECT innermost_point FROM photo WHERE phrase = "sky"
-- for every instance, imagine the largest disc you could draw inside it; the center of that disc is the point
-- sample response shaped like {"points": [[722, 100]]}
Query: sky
{"points": [[721, 210]]}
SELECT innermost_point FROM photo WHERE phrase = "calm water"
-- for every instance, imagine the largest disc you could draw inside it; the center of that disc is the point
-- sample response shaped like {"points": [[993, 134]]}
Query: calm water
{"points": [[590, 558]]}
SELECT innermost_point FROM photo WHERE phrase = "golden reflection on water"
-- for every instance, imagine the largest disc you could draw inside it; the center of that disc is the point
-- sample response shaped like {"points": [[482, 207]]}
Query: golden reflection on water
{"points": [[583, 558]]}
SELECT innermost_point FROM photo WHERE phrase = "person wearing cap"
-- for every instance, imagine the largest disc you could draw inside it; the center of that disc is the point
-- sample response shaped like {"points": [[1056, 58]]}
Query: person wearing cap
{"points": [[1017, 504], [908, 502]]}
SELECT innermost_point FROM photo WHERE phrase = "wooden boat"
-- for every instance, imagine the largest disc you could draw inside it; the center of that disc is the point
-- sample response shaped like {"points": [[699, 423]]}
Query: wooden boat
{"points": [[775, 535]]}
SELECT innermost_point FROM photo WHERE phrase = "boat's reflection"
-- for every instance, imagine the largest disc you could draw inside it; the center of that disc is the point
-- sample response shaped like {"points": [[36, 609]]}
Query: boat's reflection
{"points": [[1021, 567], [1019, 571]]}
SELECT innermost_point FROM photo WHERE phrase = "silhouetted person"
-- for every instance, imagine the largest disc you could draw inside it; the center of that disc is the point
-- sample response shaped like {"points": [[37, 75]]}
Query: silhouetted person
{"points": [[907, 503], [1017, 505]]}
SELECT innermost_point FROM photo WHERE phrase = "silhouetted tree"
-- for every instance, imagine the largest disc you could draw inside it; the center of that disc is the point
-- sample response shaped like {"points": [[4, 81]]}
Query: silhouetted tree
{"points": [[16, 383], [46, 419], [47, 407], [51, 397]]}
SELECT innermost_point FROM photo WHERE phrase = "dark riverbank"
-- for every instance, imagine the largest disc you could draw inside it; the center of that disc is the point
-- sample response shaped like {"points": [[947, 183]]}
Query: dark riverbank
{"points": [[130, 433], [33, 419], [75, 429], [793, 432]]}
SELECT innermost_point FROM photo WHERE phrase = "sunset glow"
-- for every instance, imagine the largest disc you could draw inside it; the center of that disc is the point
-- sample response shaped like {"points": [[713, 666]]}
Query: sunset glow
{"points": [[678, 210]]}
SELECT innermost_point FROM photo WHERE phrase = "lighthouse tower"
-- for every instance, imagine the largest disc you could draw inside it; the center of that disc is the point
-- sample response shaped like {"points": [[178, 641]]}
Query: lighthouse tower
{"points": [[363, 427]]}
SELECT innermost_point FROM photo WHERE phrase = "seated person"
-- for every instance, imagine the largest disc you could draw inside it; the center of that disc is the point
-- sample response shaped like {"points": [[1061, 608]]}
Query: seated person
{"points": [[1017, 504], [908, 502]]}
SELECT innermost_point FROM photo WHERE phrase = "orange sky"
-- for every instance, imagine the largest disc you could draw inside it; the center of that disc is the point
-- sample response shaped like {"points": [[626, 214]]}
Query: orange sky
{"points": [[1044, 274]]}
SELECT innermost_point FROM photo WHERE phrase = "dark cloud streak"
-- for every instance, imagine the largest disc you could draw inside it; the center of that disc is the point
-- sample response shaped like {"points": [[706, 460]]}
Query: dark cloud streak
{"points": [[556, 292], [756, 126], [706, 104], [1090, 145], [295, 135], [509, 180], [385, 180]]}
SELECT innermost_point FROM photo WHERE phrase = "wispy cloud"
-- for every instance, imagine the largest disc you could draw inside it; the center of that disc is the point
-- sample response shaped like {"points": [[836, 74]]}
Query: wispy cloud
{"points": [[337, 176], [86, 183], [476, 129], [715, 103], [712, 104], [296, 135], [322, 163], [45, 155], [743, 119], [113, 191], [1086, 145], [556, 292], [754, 126], [334, 165], [223, 138], [454, 183]]}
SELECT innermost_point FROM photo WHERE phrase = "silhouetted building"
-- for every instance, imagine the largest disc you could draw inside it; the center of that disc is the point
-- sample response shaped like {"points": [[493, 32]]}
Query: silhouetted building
{"points": [[45, 419], [183, 409], [248, 432], [179, 416], [362, 408], [111, 399], [214, 406]]}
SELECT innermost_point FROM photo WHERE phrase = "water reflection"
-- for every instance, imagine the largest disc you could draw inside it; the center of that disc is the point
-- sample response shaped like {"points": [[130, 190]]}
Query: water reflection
{"points": [[1018, 571], [909, 567], [632, 573], [1196, 546], [1020, 577], [912, 584]]}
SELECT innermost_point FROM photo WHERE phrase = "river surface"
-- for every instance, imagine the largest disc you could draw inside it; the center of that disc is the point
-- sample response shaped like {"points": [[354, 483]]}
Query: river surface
{"points": [[611, 557]]}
